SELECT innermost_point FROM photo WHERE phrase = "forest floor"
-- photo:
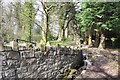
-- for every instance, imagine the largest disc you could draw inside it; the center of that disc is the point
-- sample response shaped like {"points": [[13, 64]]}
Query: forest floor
{"points": [[106, 65]]}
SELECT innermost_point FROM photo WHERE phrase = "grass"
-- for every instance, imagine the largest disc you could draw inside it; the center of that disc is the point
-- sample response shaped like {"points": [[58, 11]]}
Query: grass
{"points": [[53, 43], [113, 51], [65, 43]]}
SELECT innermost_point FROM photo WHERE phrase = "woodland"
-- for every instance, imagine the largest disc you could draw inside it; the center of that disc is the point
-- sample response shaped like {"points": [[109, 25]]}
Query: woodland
{"points": [[96, 24]]}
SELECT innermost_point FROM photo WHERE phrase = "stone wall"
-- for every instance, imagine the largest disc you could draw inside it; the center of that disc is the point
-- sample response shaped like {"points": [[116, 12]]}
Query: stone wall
{"points": [[38, 64]]}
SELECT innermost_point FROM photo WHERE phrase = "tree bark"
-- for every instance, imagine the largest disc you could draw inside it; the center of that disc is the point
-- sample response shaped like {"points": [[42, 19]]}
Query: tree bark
{"points": [[60, 34], [44, 30], [63, 35], [45, 27], [45, 24], [19, 26], [90, 38], [97, 39], [102, 41], [85, 40], [68, 31]]}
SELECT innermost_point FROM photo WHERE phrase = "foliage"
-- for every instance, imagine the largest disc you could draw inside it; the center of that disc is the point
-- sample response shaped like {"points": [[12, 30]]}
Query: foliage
{"points": [[66, 14], [94, 18], [100, 17], [28, 17], [51, 37], [105, 15]]}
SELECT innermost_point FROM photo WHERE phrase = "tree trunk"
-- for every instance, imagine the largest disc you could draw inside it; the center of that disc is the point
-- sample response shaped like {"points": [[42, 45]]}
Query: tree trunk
{"points": [[90, 38], [63, 38], [102, 42], [85, 40], [30, 26], [18, 34], [44, 30], [19, 26], [60, 34], [68, 31], [23, 33], [97, 39], [30, 35]]}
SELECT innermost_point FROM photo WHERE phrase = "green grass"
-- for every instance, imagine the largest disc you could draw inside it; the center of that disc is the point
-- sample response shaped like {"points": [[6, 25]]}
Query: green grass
{"points": [[53, 43], [65, 43]]}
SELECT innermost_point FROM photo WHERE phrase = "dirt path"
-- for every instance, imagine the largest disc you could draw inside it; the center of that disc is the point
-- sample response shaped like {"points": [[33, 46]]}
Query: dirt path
{"points": [[104, 66]]}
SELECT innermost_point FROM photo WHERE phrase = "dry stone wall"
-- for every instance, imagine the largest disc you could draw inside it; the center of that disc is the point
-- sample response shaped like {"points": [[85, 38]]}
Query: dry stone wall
{"points": [[38, 64]]}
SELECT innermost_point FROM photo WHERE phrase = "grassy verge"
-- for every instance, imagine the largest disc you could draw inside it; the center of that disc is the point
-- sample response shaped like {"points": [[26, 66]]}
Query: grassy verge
{"points": [[65, 43]]}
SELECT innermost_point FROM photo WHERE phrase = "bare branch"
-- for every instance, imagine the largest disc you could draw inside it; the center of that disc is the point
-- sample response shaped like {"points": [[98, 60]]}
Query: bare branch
{"points": [[68, 22], [38, 25], [44, 7], [55, 5]]}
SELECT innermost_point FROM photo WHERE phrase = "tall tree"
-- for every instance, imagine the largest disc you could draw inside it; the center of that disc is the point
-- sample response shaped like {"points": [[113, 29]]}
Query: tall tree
{"points": [[48, 9], [99, 17], [9, 21], [66, 14], [17, 14], [28, 17]]}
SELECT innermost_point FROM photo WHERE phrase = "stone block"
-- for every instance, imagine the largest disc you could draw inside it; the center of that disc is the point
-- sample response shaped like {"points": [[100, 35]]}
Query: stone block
{"points": [[51, 53], [31, 61], [0, 62], [22, 70], [14, 45], [1, 75], [33, 76], [2, 56], [40, 46], [28, 54], [26, 62], [78, 60], [9, 73], [7, 48], [48, 44], [13, 55], [1, 46], [27, 45], [23, 63], [59, 52], [4, 63], [13, 63], [38, 54], [32, 68], [22, 75], [22, 47], [58, 47]]}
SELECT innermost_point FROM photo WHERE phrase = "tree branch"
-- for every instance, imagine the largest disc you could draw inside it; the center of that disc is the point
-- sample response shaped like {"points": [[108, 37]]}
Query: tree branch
{"points": [[44, 7], [68, 22], [38, 25]]}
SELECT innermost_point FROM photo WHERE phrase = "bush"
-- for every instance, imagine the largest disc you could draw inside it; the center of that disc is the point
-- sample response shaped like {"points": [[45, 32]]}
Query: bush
{"points": [[51, 37]]}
